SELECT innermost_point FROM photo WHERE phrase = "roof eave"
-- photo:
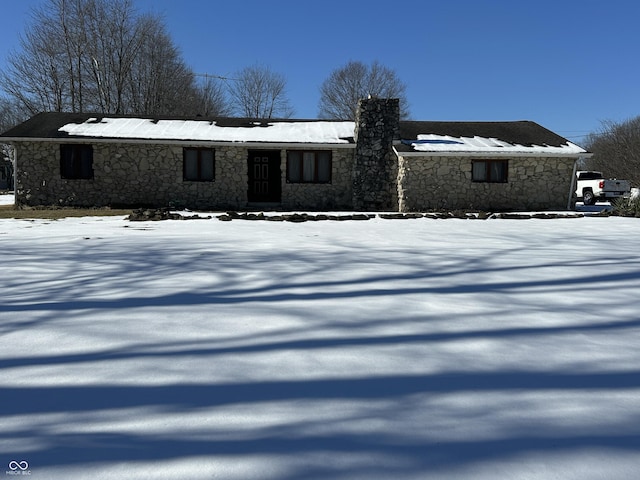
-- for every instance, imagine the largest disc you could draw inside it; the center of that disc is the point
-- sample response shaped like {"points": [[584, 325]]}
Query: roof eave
{"points": [[144, 141]]}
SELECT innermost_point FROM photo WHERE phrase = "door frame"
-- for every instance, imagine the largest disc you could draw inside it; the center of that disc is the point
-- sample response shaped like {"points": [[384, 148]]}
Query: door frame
{"points": [[264, 177]]}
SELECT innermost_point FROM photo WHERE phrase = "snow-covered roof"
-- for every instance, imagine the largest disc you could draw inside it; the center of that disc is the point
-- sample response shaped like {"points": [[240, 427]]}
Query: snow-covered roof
{"points": [[483, 138], [414, 137], [447, 143], [213, 131], [64, 125]]}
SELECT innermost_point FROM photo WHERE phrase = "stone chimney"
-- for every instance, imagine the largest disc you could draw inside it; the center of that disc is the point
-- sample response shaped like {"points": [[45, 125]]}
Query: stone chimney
{"points": [[375, 166]]}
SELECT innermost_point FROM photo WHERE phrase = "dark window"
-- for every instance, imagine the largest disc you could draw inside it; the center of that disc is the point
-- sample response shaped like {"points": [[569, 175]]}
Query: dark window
{"points": [[490, 171], [308, 166], [589, 176], [199, 164], [76, 161]]}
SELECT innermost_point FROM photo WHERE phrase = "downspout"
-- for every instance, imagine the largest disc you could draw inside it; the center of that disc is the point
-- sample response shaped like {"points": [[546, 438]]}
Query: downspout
{"points": [[573, 183]]}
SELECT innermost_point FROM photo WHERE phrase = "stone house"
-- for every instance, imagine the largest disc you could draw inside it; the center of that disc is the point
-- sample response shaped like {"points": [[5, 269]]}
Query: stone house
{"points": [[377, 163]]}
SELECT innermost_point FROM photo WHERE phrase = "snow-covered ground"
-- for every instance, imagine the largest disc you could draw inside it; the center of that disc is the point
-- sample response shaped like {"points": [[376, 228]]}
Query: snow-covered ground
{"points": [[404, 349], [7, 199]]}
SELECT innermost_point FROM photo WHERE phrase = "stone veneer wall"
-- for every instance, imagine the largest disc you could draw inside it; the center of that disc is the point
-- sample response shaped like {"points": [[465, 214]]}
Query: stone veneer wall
{"points": [[375, 164], [433, 183], [128, 174], [336, 195], [148, 174]]}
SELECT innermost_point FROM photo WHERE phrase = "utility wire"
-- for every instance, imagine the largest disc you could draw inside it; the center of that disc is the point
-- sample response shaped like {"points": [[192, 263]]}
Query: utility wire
{"points": [[219, 77]]}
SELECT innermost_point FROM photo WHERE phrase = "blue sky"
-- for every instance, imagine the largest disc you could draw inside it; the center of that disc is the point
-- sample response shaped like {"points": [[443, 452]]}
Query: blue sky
{"points": [[565, 64]]}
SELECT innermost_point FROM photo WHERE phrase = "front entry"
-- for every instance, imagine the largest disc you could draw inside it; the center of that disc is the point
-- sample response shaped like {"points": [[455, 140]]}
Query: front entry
{"points": [[264, 176]]}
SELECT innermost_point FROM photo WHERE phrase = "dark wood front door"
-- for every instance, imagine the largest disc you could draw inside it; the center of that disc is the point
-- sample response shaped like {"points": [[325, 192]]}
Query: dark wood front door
{"points": [[264, 176]]}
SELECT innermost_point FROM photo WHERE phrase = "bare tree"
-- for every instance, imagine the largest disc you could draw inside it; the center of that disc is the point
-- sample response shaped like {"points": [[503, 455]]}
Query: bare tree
{"points": [[98, 55], [211, 97], [36, 76], [258, 92], [160, 83], [112, 42], [10, 116], [11, 113], [616, 150], [340, 92]]}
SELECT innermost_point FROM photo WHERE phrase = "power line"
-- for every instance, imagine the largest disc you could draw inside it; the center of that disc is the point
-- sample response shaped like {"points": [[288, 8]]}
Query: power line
{"points": [[577, 136], [210, 75]]}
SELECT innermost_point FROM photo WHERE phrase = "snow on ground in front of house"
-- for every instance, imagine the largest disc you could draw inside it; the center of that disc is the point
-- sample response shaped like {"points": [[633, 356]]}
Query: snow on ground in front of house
{"points": [[405, 349], [7, 199]]}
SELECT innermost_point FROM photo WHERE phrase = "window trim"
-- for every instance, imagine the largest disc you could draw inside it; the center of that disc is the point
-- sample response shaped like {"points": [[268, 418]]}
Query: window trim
{"points": [[316, 169], [199, 161], [72, 156], [488, 177]]}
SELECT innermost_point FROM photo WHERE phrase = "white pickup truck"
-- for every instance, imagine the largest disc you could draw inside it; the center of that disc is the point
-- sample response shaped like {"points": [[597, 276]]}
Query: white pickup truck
{"points": [[592, 186]]}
